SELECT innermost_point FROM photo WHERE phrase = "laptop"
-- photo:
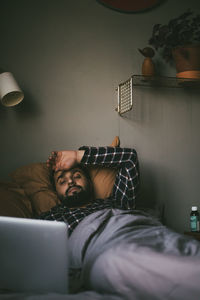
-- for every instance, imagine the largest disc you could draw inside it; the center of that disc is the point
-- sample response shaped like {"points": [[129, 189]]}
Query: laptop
{"points": [[33, 255]]}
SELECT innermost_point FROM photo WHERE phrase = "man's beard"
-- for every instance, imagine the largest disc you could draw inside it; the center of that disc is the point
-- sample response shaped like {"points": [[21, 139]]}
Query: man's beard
{"points": [[78, 199]]}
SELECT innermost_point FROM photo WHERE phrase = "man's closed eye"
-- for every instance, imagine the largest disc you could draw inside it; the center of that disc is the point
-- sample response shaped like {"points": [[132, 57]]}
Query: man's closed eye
{"points": [[62, 182], [77, 176]]}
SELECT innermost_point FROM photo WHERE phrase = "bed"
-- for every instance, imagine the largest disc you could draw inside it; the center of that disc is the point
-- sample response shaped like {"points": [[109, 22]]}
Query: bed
{"points": [[113, 253]]}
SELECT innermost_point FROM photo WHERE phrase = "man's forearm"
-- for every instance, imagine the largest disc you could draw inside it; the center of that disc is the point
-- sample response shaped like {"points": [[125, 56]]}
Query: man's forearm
{"points": [[64, 160], [79, 155], [108, 156]]}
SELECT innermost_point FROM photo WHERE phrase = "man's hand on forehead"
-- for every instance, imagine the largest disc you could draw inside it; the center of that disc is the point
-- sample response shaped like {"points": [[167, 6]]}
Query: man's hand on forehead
{"points": [[64, 160]]}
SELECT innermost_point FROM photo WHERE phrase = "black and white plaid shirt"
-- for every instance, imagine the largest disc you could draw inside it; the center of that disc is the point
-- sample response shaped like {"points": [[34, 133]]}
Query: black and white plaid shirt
{"points": [[124, 191]]}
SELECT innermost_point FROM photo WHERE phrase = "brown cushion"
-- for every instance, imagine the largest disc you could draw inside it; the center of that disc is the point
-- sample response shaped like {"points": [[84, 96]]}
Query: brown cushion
{"points": [[35, 180], [13, 201], [103, 178]]}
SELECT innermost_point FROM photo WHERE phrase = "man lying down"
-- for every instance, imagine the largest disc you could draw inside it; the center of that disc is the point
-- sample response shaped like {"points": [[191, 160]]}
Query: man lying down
{"points": [[115, 249]]}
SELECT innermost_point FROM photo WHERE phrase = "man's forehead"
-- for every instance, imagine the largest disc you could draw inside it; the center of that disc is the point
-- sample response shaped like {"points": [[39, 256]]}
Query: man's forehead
{"points": [[62, 173]]}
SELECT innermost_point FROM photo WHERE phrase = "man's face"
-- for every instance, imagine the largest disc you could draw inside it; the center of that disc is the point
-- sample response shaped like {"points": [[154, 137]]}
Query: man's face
{"points": [[72, 187]]}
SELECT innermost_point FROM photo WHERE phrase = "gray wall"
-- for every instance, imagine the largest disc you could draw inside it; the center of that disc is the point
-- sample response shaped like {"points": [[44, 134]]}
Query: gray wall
{"points": [[68, 57]]}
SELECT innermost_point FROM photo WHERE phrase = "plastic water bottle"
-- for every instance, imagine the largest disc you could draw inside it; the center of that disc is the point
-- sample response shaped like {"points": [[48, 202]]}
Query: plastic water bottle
{"points": [[194, 219]]}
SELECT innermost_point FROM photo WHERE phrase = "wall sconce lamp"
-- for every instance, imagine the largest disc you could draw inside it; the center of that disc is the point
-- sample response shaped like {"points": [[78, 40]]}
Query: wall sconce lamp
{"points": [[10, 92]]}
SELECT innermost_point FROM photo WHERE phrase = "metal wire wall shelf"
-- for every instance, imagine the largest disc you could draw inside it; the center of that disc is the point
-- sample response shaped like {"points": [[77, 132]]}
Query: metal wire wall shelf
{"points": [[125, 89]]}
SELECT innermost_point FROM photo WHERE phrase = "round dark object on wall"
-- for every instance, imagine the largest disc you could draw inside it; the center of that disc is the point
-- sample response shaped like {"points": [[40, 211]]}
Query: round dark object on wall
{"points": [[130, 6]]}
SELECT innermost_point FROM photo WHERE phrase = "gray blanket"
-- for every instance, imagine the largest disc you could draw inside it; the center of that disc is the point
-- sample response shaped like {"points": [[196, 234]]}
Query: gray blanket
{"points": [[133, 256], [117, 254]]}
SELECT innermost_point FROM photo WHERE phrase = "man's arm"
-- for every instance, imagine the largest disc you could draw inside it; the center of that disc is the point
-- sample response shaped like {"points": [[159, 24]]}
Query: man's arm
{"points": [[127, 180], [64, 160]]}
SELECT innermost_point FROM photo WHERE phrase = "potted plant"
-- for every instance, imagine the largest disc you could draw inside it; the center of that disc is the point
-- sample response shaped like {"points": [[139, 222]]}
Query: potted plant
{"points": [[180, 40]]}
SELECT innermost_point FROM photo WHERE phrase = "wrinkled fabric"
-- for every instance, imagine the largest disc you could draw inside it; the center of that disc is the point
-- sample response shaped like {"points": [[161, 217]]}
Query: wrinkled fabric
{"points": [[132, 255]]}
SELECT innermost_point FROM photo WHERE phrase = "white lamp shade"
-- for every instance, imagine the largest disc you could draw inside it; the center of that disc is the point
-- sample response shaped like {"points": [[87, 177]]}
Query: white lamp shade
{"points": [[10, 92]]}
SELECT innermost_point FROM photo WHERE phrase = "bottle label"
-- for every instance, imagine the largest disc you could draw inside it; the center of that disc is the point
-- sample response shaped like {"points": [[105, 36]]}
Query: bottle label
{"points": [[194, 223]]}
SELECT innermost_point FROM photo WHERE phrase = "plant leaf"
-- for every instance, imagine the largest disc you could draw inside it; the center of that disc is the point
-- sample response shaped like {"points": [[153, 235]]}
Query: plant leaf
{"points": [[156, 28]]}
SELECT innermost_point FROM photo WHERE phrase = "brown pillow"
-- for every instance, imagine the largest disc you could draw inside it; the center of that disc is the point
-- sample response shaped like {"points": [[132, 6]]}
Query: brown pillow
{"points": [[35, 180], [13, 201], [103, 178]]}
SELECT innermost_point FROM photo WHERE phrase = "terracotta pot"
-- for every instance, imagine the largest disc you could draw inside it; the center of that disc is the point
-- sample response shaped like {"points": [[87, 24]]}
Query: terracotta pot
{"points": [[148, 68], [187, 60]]}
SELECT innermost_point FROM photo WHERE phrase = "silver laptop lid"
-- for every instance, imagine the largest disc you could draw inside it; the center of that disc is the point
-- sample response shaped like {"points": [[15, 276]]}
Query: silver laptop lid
{"points": [[33, 255]]}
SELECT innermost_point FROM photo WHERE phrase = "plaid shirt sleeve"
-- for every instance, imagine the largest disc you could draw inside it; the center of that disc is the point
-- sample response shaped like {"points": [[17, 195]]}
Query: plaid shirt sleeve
{"points": [[127, 180]]}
